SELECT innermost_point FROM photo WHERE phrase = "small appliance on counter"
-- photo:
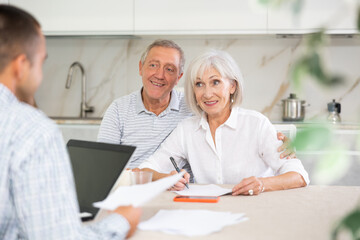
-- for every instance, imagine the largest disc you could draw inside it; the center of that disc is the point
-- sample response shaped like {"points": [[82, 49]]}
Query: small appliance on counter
{"points": [[293, 109], [334, 109]]}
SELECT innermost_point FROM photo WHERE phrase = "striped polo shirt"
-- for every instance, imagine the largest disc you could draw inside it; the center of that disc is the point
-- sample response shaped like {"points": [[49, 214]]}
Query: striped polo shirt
{"points": [[128, 122]]}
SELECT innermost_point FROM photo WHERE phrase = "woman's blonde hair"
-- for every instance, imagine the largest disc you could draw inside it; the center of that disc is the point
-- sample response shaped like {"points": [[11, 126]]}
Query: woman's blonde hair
{"points": [[223, 63]]}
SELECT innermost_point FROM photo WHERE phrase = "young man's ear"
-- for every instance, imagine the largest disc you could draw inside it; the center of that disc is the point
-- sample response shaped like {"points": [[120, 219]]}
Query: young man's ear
{"points": [[20, 67]]}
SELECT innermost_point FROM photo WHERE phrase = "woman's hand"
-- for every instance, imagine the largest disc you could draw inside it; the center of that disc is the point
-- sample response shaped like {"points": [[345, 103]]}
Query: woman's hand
{"points": [[249, 186], [286, 149], [180, 185]]}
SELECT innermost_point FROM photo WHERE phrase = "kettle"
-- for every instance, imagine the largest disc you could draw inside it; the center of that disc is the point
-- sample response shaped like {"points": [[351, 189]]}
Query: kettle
{"points": [[334, 109]]}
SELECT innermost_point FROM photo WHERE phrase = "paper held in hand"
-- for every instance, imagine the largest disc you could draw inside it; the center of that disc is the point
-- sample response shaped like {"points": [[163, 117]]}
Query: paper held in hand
{"points": [[137, 195]]}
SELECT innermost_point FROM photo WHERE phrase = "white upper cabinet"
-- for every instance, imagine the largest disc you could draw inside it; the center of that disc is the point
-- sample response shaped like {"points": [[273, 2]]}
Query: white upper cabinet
{"points": [[4, 2], [166, 17], [338, 16], [81, 17], [199, 17]]}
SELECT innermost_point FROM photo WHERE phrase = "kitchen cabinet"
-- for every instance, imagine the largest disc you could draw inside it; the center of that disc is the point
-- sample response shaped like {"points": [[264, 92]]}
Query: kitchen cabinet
{"points": [[198, 17], [81, 17], [87, 132], [337, 16], [347, 172], [347, 138], [188, 17]]}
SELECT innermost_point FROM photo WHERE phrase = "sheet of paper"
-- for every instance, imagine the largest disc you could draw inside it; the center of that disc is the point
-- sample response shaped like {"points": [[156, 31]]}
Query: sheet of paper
{"points": [[204, 190], [191, 222], [137, 195]]}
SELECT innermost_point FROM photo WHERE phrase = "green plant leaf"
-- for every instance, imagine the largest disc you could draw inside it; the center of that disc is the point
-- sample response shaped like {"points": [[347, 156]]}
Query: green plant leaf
{"points": [[263, 2], [335, 80], [332, 165], [350, 222], [315, 67], [311, 65], [297, 6], [312, 138], [316, 40], [299, 70]]}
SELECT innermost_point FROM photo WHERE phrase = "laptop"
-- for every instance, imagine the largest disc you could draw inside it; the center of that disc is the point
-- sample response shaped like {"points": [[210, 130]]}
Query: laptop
{"points": [[96, 167]]}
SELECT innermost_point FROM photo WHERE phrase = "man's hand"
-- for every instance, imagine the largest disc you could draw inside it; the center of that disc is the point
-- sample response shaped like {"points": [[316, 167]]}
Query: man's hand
{"points": [[132, 215], [180, 185], [288, 152]]}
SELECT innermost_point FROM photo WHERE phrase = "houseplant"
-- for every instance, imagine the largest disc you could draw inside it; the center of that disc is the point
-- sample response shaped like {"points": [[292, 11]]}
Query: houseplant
{"points": [[310, 65]]}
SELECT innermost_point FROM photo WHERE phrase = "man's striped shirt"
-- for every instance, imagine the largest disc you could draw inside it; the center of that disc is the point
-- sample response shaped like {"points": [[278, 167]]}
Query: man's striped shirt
{"points": [[128, 122]]}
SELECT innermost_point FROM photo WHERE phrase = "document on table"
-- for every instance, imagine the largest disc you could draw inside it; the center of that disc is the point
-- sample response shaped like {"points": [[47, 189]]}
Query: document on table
{"points": [[204, 190], [137, 195], [191, 222]]}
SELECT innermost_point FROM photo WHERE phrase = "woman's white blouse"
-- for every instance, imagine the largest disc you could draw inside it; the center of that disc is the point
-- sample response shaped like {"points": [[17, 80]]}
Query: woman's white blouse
{"points": [[245, 145]]}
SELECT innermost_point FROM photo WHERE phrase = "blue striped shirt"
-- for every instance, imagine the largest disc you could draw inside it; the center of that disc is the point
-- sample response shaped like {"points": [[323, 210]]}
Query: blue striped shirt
{"points": [[128, 122], [37, 194]]}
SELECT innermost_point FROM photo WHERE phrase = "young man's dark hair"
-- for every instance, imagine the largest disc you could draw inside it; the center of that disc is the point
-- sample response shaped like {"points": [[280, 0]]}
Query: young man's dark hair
{"points": [[19, 34]]}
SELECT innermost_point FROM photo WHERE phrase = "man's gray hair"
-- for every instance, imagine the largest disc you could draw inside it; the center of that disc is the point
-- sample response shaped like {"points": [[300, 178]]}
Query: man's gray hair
{"points": [[223, 63], [166, 44]]}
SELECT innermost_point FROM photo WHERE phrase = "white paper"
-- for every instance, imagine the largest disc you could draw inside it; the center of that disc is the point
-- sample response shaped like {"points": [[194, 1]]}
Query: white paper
{"points": [[191, 222], [137, 195], [204, 190], [85, 214]]}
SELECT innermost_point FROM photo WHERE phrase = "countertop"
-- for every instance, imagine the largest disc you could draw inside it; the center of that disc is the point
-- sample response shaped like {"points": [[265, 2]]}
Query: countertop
{"points": [[76, 121], [303, 213], [97, 121], [342, 125]]}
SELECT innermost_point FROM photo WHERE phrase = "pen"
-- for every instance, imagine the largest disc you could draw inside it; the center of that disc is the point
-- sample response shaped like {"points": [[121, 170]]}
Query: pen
{"points": [[176, 168]]}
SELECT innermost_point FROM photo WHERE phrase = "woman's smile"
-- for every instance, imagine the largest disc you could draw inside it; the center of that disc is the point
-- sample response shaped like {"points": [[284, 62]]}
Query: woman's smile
{"points": [[210, 103], [212, 93]]}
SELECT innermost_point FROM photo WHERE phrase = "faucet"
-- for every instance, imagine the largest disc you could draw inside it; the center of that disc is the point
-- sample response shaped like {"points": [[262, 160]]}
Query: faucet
{"points": [[84, 108]]}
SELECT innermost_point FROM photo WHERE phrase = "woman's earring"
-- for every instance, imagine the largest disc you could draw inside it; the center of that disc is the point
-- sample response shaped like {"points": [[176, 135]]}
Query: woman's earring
{"points": [[231, 98]]}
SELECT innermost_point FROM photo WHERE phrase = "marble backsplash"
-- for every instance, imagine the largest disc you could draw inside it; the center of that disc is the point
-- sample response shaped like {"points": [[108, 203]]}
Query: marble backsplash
{"points": [[111, 65]]}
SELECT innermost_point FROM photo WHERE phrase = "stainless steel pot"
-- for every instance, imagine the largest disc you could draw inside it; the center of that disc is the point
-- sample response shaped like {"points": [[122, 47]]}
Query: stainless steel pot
{"points": [[293, 108]]}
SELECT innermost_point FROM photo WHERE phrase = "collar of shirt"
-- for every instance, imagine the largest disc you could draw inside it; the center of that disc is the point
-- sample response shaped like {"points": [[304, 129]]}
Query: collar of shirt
{"points": [[6, 96], [230, 122], [173, 106]]}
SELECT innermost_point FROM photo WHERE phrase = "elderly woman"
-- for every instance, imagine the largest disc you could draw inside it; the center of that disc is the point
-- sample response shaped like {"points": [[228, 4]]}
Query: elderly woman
{"points": [[223, 143]]}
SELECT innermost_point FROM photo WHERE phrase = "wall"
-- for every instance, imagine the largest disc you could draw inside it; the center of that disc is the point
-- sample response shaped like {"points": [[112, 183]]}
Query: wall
{"points": [[111, 65]]}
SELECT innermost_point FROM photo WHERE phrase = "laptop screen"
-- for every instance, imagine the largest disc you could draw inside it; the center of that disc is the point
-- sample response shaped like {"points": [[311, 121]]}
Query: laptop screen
{"points": [[96, 167]]}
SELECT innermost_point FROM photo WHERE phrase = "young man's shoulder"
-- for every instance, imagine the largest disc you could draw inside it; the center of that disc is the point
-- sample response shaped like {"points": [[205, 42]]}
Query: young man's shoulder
{"points": [[32, 120]]}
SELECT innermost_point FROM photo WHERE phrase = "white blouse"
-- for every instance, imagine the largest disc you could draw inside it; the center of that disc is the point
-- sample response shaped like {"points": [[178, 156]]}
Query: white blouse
{"points": [[245, 145]]}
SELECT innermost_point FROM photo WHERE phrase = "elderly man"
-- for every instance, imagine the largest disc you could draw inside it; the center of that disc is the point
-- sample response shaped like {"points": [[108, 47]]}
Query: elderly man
{"points": [[37, 194], [146, 117]]}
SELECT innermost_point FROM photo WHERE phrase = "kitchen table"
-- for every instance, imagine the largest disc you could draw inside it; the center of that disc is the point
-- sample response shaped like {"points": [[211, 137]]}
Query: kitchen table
{"points": [[303, 213]]}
